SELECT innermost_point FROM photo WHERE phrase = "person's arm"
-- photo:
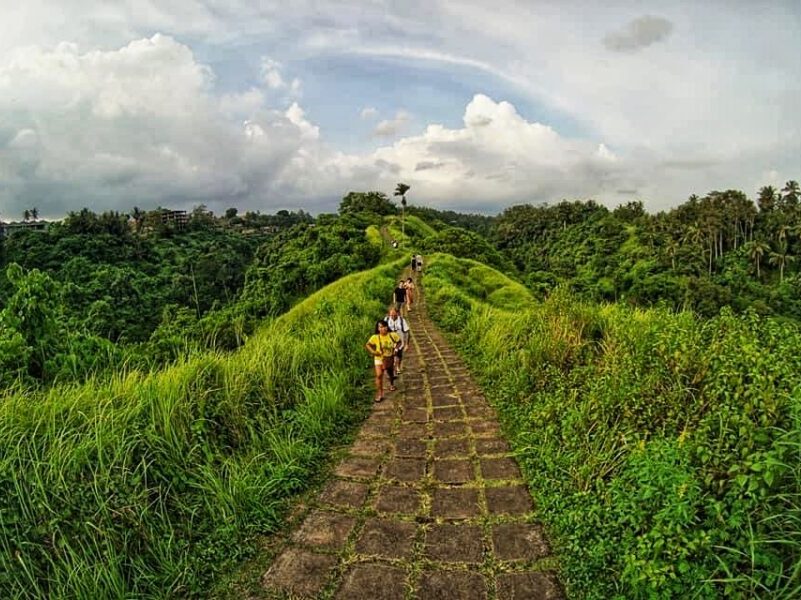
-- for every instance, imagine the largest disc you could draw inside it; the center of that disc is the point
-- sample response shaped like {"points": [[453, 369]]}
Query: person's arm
{"points": [[372, 348]]}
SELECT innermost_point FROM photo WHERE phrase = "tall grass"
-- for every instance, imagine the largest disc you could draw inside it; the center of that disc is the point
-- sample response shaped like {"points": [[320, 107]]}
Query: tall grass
{"points": [[148, 484], [663, 450]]}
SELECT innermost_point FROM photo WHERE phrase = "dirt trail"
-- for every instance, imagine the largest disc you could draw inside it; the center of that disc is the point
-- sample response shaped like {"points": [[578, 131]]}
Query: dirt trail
{"points": [[428, 504]]}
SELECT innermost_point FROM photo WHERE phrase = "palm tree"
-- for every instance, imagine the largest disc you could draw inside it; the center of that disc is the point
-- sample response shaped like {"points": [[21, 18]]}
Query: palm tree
{"points": [[400, 190], [781, 258], [766, 200], [791, 191], [755, 250], [34, 213], [26, 215]]}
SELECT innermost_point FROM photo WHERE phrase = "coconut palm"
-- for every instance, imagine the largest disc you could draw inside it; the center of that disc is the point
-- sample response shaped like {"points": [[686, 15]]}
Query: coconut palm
{"points": [[26, 216], [756, 250], [400, 190], [781, 259]]}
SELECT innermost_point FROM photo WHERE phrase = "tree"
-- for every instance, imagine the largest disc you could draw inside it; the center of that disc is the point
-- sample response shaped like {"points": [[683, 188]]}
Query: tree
{"points": [[791, 192], [26, 215], [766, 200], [400, 190], [781, 259], [756, 250], [376, 203], [34, 213]]}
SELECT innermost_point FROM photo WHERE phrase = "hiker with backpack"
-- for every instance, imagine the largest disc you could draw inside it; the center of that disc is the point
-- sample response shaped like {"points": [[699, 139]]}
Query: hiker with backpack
{"points": [[397, 324], [382, 346]]}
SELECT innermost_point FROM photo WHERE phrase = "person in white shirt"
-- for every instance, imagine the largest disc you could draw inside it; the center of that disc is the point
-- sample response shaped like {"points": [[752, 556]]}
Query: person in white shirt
{"points": [[400, 326]]}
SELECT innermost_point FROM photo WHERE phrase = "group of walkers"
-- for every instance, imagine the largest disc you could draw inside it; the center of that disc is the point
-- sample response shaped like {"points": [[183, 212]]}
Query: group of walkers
{"points": [[391, 336]]}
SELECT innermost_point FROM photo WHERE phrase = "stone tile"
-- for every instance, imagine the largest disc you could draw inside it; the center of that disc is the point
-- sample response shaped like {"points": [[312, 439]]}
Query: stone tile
{"points": [[459, 503], [344, 493], [386, 538], [299, 573], [479, 411], [499, 468], [486, 446], [485, 428], [370, 446], [407, 469], [413, 430], [509, 500], [376, 429], [473, 398], [443, 398], [415, 415], [448, 413], [407, 447], [531, 586], [452, 585], [451, 447], [398, 499], [519, 541], [449, 429], [440, 385], [358, 467], [368, 582], [414, 400], [450, 542], [453, 471], [325, 530], [434, 380]]}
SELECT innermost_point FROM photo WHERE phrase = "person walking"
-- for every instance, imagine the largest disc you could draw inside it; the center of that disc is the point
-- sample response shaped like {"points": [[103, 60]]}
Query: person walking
{"points": [[381, 346], [414, 263], [419, 261], [409, 285], [399, 296], [397, 324]]}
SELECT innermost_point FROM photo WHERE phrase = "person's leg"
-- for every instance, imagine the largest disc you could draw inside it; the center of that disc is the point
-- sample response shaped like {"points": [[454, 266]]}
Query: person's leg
{"points": [[398, 361], [379, 383], [389, 369]]}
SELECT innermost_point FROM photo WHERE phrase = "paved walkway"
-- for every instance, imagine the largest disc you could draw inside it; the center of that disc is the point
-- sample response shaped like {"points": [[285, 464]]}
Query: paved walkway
{"points": [[428, 504]]}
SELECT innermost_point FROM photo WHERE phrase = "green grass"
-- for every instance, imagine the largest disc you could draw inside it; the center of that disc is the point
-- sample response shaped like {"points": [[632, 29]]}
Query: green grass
{"points": [[150, 484], [662, 449]]}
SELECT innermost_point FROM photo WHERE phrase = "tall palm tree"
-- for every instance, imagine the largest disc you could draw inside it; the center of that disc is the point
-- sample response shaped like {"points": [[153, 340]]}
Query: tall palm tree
{"points": [[756, 250], [26, 215], [781, 259], [400, 190], [791, 191], [34, 213]]}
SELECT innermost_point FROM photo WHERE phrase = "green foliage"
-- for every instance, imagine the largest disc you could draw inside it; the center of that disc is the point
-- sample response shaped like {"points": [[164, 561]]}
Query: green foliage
{"points": [[465, 244], [301, 260], [372, 203], [662, 449], [145, 485]]}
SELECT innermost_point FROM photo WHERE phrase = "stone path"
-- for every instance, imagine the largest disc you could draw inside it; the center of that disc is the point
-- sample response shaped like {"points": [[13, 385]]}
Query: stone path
{"points": [[428, 503]]}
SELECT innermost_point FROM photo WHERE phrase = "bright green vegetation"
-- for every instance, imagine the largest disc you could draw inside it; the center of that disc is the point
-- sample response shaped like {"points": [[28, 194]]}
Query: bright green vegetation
{"points": [[150, 484], [95, 294], [719, 250], [663, 450]]}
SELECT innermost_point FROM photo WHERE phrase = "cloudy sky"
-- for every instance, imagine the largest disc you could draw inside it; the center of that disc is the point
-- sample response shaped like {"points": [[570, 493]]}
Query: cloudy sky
{"points": [[476, 104]]}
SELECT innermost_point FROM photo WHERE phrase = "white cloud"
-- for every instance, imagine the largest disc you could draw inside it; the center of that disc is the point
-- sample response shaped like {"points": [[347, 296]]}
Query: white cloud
{"points": [[638, 33], [368, 112], [391, 127], [271, 73], [139, 124]]}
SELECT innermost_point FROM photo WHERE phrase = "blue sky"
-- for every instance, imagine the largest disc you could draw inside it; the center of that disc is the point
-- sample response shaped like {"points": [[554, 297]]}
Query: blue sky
{"points": [[477, 105]]}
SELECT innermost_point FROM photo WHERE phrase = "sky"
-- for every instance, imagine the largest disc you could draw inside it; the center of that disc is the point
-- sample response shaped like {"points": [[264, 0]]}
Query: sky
{"points": [[477, 105]]}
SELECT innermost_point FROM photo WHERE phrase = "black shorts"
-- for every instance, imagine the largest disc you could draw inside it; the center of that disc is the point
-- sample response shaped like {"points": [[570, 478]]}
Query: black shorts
{"points": [[399, 354]]}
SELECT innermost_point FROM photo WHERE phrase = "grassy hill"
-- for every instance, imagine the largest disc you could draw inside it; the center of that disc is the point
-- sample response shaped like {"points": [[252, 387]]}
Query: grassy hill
{"points": [[148, 484], [663, 450]]}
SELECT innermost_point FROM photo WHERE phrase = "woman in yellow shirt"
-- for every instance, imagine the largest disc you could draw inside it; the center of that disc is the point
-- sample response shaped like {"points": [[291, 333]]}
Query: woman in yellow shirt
{"points": [[382, 346]]}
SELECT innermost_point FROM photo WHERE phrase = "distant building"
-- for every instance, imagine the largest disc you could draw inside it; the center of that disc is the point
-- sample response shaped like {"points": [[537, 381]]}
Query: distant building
{"points": [[178, 218], [8, 229]]}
